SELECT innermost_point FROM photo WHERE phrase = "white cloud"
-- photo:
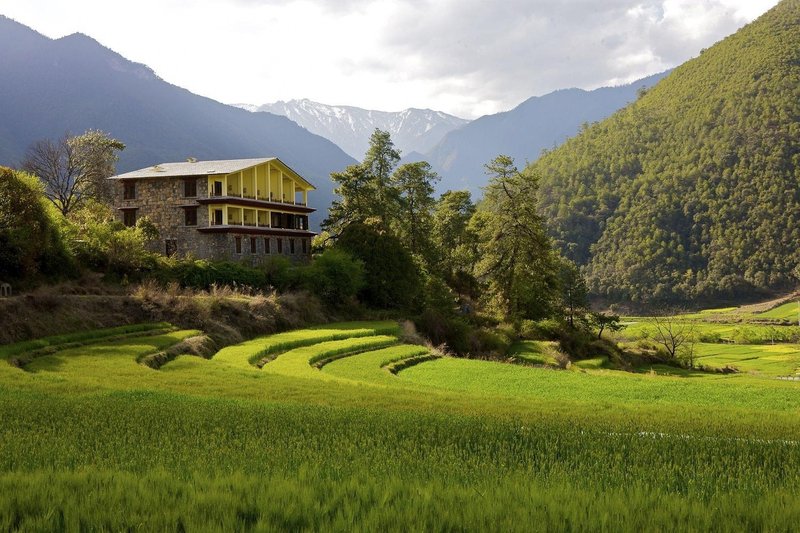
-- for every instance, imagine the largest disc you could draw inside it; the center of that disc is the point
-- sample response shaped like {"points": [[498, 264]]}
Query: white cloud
{"points": [[468, 57]]}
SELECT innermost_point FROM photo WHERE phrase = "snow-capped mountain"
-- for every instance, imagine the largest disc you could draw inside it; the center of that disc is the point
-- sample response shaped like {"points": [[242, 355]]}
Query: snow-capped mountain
{"points": [[413, 130]]}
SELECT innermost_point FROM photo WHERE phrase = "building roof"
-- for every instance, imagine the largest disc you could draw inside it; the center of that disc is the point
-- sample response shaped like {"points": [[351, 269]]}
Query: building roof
{"points": [[200, 168]]}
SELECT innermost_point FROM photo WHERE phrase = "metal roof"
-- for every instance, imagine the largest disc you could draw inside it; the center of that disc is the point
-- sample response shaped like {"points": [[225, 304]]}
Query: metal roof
{"points": [[196, 168], [201, 168]]}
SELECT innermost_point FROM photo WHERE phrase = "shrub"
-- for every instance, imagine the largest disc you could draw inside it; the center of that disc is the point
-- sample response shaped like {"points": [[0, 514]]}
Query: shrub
{"points": [[202, 274], [391, 277], [30, 241], [334, 276]]}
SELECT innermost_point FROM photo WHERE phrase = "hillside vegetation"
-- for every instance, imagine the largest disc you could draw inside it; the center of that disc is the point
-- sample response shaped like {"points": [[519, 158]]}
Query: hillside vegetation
{"points": [[690, 192]]}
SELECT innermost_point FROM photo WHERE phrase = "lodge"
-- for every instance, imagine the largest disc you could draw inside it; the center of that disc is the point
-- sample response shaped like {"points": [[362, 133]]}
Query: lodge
{"points": [[230, 209]]}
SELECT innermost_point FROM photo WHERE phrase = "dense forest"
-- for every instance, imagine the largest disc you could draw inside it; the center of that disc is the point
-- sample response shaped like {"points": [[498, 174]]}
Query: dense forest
{"points": [[691, 192]]}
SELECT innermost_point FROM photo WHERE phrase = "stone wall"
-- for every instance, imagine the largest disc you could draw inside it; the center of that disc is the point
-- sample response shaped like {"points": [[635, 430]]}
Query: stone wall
{"points": [[162, 201]]}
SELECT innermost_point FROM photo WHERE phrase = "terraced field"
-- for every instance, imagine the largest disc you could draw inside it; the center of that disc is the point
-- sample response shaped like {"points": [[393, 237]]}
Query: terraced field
{"points": [[344, 427]]}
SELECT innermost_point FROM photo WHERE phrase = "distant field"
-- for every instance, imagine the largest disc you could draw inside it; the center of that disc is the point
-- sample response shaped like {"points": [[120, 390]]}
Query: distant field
{"points": [[325, 437]]}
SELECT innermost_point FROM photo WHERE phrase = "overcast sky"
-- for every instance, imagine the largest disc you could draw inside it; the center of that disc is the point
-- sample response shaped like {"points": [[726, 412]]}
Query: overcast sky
{"points": [[466, 57]]}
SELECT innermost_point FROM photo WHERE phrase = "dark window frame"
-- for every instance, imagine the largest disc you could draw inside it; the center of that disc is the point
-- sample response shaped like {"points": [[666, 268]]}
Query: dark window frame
{"points": [[189, 216], [129, 217], [266, 245], [292, 247], [253, 245], [129, 190], [237, 244], [190, 188], [280, 245], [170, 247]]}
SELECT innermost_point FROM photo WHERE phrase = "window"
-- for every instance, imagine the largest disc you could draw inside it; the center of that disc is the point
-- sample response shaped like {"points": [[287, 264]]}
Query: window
{"points": [[291, 246], [129, 190], [217, 188], [190, 188], [280, 245], [217, 217], [253, 246], [190, 216], [276, 220], [266, 245], [305, 246], [129, 217], [170, 247], [238, 241]]}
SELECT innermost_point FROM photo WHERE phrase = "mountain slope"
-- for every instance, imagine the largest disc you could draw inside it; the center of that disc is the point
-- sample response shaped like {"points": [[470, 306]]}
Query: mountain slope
{"points": [[539, 123], [350, 127], [48, 87], [692, 191]]}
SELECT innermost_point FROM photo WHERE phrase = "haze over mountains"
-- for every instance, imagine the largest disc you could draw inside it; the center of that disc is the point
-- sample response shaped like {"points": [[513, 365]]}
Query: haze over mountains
{"points": [[539, 123], [51, 86], [412, 130], [457, 148]]}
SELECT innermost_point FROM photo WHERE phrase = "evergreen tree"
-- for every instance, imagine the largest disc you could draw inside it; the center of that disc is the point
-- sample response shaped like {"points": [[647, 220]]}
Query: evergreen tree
{"points": [[516, 259], [414, 223], [366, 191]]}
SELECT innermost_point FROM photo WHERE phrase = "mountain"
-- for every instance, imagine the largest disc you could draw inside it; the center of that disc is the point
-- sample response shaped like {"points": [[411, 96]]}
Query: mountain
{"points": [[539, 123], [413, 130], [49, 87], [692, 191]]}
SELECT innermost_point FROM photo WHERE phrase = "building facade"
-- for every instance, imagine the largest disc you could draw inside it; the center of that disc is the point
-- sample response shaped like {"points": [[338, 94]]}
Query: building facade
{"points": [[241, 209]]}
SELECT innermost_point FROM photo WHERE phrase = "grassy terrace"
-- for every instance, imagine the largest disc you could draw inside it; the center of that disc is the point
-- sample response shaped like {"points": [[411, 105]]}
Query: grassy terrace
{"points": [[89, 438]]}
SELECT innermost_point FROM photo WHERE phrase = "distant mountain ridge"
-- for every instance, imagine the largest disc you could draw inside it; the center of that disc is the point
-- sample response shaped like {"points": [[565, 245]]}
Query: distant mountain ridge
{"points": [[412, 130], [51, 86], [537, 124]]}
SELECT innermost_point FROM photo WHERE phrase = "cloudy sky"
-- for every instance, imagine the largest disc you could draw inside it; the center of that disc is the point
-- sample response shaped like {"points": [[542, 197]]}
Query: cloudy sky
{"points": [[466, 57]]}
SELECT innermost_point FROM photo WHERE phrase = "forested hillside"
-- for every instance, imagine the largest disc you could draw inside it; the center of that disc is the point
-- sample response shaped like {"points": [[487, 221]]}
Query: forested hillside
{"points": [[692, 191]]}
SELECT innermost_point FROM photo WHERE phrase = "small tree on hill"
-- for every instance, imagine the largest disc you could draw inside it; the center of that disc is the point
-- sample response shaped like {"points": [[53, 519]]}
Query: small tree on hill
{"points": [[74, 168], [605, 322], [677, 337]]}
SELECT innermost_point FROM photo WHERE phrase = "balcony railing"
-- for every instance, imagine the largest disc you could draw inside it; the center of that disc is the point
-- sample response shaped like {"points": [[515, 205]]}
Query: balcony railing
{"points": [[214, 194]]}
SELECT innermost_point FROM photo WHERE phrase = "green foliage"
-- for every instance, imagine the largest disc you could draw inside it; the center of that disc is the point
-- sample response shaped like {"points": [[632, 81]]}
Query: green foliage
{"points": [[691, 191], [100, 242], [392, 279], [414, 185], [516, 259], [203, 274], [335, 277], [455, 240], [30, 242], [366, 191]]}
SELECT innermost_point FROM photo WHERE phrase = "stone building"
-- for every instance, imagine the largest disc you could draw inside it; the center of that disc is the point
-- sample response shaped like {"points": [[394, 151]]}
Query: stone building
{"points": [[238, 209]]}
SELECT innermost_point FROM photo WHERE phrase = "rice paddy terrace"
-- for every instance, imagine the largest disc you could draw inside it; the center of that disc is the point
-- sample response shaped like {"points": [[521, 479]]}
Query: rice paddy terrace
{"points": [[345, 427]]}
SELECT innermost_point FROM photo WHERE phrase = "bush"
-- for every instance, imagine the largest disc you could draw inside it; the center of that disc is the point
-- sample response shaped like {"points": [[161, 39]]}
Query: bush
{"points": [[30, 241], [334, 276], [445, 329], [391, 278], [203, 275], [101, 243]]}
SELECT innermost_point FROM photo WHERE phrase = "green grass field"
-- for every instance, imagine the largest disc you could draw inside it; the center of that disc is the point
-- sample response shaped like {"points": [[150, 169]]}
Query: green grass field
{"points": [[324, 437]]}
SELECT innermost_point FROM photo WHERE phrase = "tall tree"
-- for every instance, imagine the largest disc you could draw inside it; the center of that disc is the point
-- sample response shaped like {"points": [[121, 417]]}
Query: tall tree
{"points": [[366, 192], [414, 185], [453, 237], [380, 161], [516, 259], [74, 168]]}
